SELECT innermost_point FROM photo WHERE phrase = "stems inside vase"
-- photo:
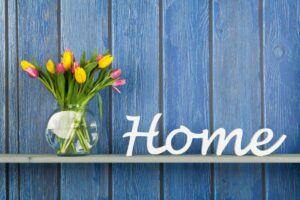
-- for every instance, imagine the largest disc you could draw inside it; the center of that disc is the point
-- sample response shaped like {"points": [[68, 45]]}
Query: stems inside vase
{"points": [[77, 137]]}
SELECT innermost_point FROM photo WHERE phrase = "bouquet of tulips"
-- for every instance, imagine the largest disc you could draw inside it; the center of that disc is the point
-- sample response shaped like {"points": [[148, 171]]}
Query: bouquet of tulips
{"points": [[73, 82]]}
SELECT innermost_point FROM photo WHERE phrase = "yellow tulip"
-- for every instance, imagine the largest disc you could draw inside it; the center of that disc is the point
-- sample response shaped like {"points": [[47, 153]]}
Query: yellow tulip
{"points": [[67, 59], [50, 66], [25, 65], [105, 61], [80, 75]]}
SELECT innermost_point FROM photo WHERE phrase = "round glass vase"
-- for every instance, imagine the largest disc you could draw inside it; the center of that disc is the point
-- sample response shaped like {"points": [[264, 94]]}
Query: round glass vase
{"points": [[72, 131]]}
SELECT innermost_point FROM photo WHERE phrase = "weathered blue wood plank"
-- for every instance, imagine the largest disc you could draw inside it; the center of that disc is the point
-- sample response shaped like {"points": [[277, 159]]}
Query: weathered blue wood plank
{"points": [[135, 44], [2, 96], [236, 91], [37, 31], [13, 125], [186, 92], [282, 91], [84, 27]]}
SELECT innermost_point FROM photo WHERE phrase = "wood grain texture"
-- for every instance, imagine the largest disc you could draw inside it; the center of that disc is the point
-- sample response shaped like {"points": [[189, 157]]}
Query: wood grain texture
{"points": [[135, 44], [236, 91], [282, 91], [84, 27], [3, 110], [33, 32], [37, 30], [186, 92], [13, 125]]}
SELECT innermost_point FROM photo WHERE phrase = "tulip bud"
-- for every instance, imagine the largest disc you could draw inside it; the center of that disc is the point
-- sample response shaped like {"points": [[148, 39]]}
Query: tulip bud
{"points": [[80, 75], [99, 57], [119, 82], [25, 65], [105, 61], [116, 73], [33, 73], [75, 65], [116, 89], [60, 68], [67, 59], [50, 66]]}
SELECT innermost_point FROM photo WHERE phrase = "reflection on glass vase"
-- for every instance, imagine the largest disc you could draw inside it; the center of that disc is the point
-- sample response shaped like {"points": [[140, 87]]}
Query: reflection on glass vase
{"points": [[72, 131]]}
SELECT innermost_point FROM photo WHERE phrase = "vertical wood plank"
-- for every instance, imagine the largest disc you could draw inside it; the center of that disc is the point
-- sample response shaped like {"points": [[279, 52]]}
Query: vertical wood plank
{"points": [[84, 27], [236, 91], [37, 31], [13, 125], [3, 70], [135, 44], [186, 92], [282, 92]]}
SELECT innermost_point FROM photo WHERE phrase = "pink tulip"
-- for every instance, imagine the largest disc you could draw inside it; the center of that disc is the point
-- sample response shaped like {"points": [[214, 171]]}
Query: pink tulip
{"points": [[99, 57], [119, 82], [75, 65], [33, 73], [116, 89], [116, 73], [60, 68]]}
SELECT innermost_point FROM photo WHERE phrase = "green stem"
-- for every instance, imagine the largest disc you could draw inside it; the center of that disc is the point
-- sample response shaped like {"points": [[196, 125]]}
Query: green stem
{"points": [[80, 131], [73, 148], [47, 86], [68, 141], [82, 140], [84, 129]]}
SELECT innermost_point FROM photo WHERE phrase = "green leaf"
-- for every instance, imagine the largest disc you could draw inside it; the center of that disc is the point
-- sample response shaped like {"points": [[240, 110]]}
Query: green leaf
{"points": [[61, 84], [100, 105], [35, 63], [101, 76], [106, 52], [109, 82], [82, 59], [94, 55], [49, 78], [104, 75], [87, 84], [89, 67], [71, 82], [74, 93]]}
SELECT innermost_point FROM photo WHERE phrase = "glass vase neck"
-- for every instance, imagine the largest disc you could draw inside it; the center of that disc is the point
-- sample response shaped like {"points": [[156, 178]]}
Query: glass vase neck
{"points": [[73, 107]]}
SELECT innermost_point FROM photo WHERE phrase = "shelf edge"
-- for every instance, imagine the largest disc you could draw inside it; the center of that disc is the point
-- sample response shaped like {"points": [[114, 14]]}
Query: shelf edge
{"points": [[119, 158]]}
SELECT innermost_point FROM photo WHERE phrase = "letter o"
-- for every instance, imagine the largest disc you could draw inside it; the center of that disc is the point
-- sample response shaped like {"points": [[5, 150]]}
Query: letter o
{"points": [[187, 145]]}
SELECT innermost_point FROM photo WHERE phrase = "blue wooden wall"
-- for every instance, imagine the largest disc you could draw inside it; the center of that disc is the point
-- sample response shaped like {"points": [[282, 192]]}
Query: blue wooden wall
{"points": [[202, 63]]}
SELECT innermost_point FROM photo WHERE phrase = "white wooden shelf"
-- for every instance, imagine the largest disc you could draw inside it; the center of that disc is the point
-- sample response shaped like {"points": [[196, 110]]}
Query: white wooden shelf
{"points": [[119, 158]]}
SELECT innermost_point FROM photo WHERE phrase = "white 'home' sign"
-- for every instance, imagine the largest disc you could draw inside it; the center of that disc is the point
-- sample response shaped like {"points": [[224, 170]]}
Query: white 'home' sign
{"points": [[204, 136]]}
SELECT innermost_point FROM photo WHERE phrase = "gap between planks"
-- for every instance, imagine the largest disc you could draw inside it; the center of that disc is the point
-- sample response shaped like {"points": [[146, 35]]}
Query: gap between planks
{"points": [[120, 158]]}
